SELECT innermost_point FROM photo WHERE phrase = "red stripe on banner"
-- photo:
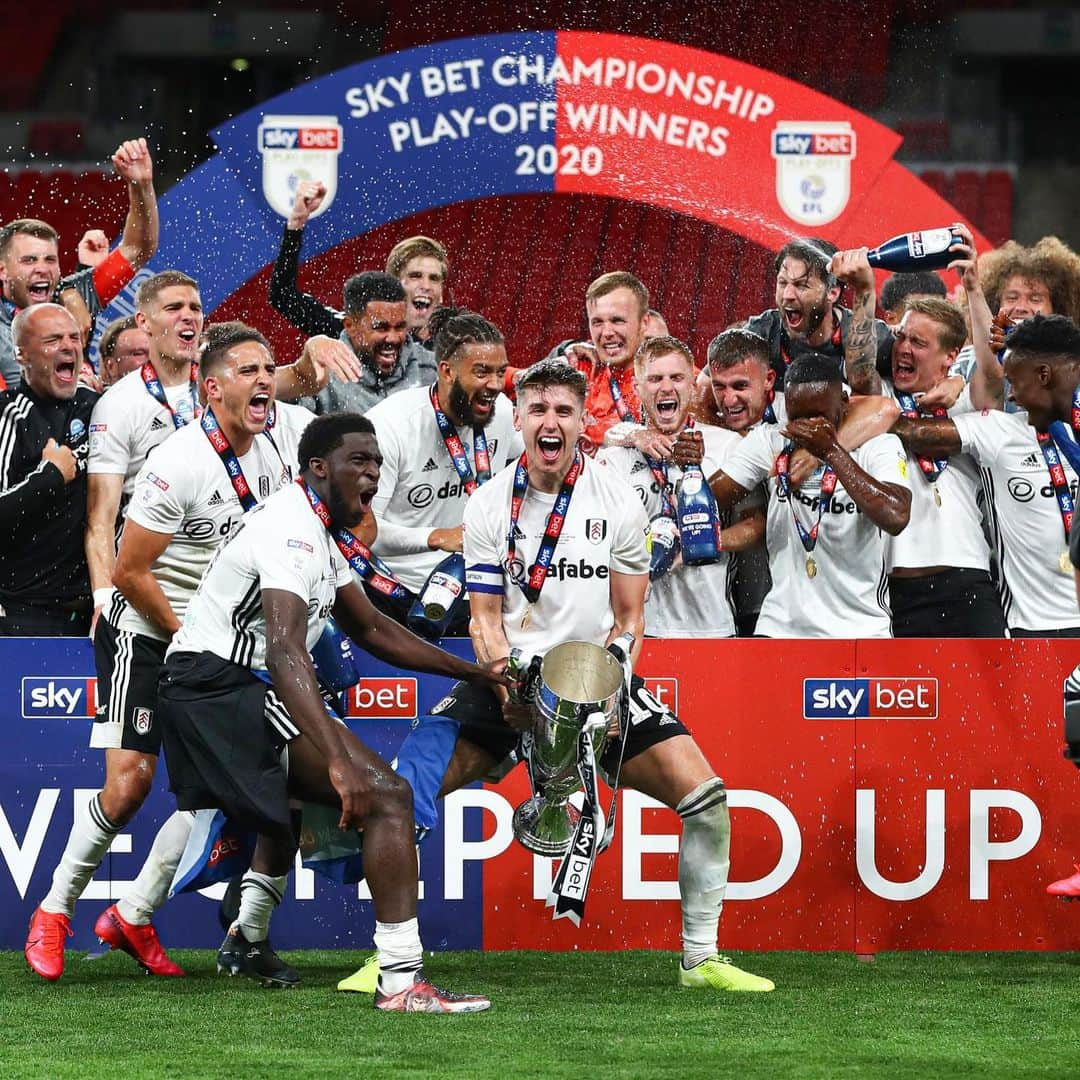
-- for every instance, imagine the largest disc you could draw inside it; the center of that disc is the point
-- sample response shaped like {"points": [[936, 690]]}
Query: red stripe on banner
{"points": [[935, 821]]}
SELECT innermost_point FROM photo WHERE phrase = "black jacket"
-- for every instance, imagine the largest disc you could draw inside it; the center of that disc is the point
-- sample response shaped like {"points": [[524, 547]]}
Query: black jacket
{"points": [[42, 519]]}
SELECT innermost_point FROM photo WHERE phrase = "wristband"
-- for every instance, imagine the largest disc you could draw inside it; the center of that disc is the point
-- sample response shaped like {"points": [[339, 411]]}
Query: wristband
{"points": [[102, 596]]}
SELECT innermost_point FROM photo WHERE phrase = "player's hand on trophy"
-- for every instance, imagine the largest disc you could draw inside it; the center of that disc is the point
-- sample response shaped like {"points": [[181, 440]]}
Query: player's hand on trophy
{"points": [[518, 716], [689, 448]]}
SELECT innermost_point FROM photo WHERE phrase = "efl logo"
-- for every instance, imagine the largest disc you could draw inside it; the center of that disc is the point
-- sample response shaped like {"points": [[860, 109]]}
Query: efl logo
{"points": [[870, 699], [666, 691], [383, 699], [57, 697]]}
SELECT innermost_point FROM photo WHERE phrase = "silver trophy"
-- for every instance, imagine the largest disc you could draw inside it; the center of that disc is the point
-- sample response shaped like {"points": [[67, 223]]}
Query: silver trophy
{"points": [[578, 687]]}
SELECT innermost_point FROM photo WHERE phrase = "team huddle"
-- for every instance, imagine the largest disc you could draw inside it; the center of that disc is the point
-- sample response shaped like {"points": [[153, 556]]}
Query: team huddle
{"points": [[851, 480]]}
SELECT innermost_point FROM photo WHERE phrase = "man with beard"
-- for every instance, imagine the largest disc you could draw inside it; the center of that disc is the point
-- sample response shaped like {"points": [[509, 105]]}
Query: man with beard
{"points": [[375, 323], [687, 601], [186, 499], [439, 443], [44, 585], [808, 317], [30, 259], [260, 607]]}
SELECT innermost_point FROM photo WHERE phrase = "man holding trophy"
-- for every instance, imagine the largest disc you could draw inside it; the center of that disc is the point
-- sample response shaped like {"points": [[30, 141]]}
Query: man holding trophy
{"points": [[557, 566]]}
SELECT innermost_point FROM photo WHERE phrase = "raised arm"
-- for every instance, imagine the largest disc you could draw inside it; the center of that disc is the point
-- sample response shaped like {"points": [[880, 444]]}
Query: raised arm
{"points": [[987, 380], [300, 308], [860, 340], [139, 241]]}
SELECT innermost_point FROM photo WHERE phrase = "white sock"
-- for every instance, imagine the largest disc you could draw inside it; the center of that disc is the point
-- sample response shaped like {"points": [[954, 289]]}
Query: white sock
{"points": [[259, 895], [703, 868], [91, 834], [401, 955], [151, 888]]}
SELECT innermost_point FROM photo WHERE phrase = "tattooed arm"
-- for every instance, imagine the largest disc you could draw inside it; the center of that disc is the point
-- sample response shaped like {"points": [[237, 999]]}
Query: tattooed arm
{"points": [[860, 341]]}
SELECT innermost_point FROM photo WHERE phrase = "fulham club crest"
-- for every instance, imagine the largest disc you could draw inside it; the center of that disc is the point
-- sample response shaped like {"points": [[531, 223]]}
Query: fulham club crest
{"points": [[595, 530]]}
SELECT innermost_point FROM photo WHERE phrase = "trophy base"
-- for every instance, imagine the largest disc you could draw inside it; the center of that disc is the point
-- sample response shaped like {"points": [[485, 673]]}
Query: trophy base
{"points": [[545, 828]]}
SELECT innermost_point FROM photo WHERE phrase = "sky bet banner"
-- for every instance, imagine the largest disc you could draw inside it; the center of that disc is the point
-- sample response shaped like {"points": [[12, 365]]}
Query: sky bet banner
{"points": [[530, 113], [884, 795]]}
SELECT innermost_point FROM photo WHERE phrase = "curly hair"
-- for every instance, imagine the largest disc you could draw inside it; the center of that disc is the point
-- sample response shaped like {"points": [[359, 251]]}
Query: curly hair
{"points": [[1050, 261]]}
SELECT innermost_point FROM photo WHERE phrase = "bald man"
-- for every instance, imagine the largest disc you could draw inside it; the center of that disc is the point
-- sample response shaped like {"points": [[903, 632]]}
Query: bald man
{"points": [[44, 431]]}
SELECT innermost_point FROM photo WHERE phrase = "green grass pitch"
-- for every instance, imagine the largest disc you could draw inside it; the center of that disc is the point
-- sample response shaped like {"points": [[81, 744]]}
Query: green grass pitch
{"points": [[587, 1015]]}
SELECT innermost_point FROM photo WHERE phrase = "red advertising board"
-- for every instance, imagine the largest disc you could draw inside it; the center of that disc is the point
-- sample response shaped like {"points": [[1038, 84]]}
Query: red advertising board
{"points": [[884, 795]]}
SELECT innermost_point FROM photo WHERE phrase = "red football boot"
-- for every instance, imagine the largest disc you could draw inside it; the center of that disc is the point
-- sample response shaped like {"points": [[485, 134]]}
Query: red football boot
{"points": [[44, 947], [1067, 888], [141, 942]]}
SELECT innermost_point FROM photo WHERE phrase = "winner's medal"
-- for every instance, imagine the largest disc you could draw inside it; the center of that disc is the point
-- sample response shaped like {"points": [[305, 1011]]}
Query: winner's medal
{"points": [[807, 537], [937, 495], [1065, 563], [811, 567], [527, 617]]}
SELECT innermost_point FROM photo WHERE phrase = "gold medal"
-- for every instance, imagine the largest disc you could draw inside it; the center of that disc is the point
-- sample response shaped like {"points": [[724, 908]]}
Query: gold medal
{"points": [[1065, 563], [527, 617], [937, 495], [811, 567]]}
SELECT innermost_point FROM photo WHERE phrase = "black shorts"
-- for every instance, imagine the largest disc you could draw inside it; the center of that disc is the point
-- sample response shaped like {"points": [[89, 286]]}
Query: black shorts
{"points": [[949, 604], [128, 668], [222, 744], [477, 710]]}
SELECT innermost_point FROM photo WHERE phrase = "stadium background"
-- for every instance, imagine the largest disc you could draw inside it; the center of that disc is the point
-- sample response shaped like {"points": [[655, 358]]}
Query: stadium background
{"points": [[973, 92]]}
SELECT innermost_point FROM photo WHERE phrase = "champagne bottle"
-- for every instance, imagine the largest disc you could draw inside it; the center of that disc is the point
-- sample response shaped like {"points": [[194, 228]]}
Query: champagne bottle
{"points": [[663, 544], [699, 520], [440, 598], [926, 250]]}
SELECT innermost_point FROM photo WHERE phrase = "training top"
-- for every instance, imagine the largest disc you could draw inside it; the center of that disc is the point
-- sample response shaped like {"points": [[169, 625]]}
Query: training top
{"points": [[419, 488]]}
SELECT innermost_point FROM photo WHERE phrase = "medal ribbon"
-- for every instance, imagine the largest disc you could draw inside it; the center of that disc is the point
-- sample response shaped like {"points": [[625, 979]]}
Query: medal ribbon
{"points": [[783, 489], [931, 468], [624, 411], [456, 450], [1057, 478], [555, 521], [370, 568], [157, 391], [659, 469], [227, 454]]}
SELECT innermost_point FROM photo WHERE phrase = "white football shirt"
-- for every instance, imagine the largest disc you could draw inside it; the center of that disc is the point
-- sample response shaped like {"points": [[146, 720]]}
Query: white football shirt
{"points": [[1025, 523], [945, 528], [849, 594], [185, 492], [279, 544], [419, 488], [605, 530], [688, 601], [127, 423]]}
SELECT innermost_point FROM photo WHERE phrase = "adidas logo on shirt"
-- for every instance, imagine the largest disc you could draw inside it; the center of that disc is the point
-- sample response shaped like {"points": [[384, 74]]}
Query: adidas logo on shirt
{"points": [[1032, 461], [430, 466], [216, 499], [158, 424], [518, 534]]}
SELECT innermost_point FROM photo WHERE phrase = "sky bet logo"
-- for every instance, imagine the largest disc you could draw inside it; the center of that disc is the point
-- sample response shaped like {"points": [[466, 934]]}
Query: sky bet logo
{"points": [[870, 699], [803, 143], [55, 697], [383, 699], [280, 137]]}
